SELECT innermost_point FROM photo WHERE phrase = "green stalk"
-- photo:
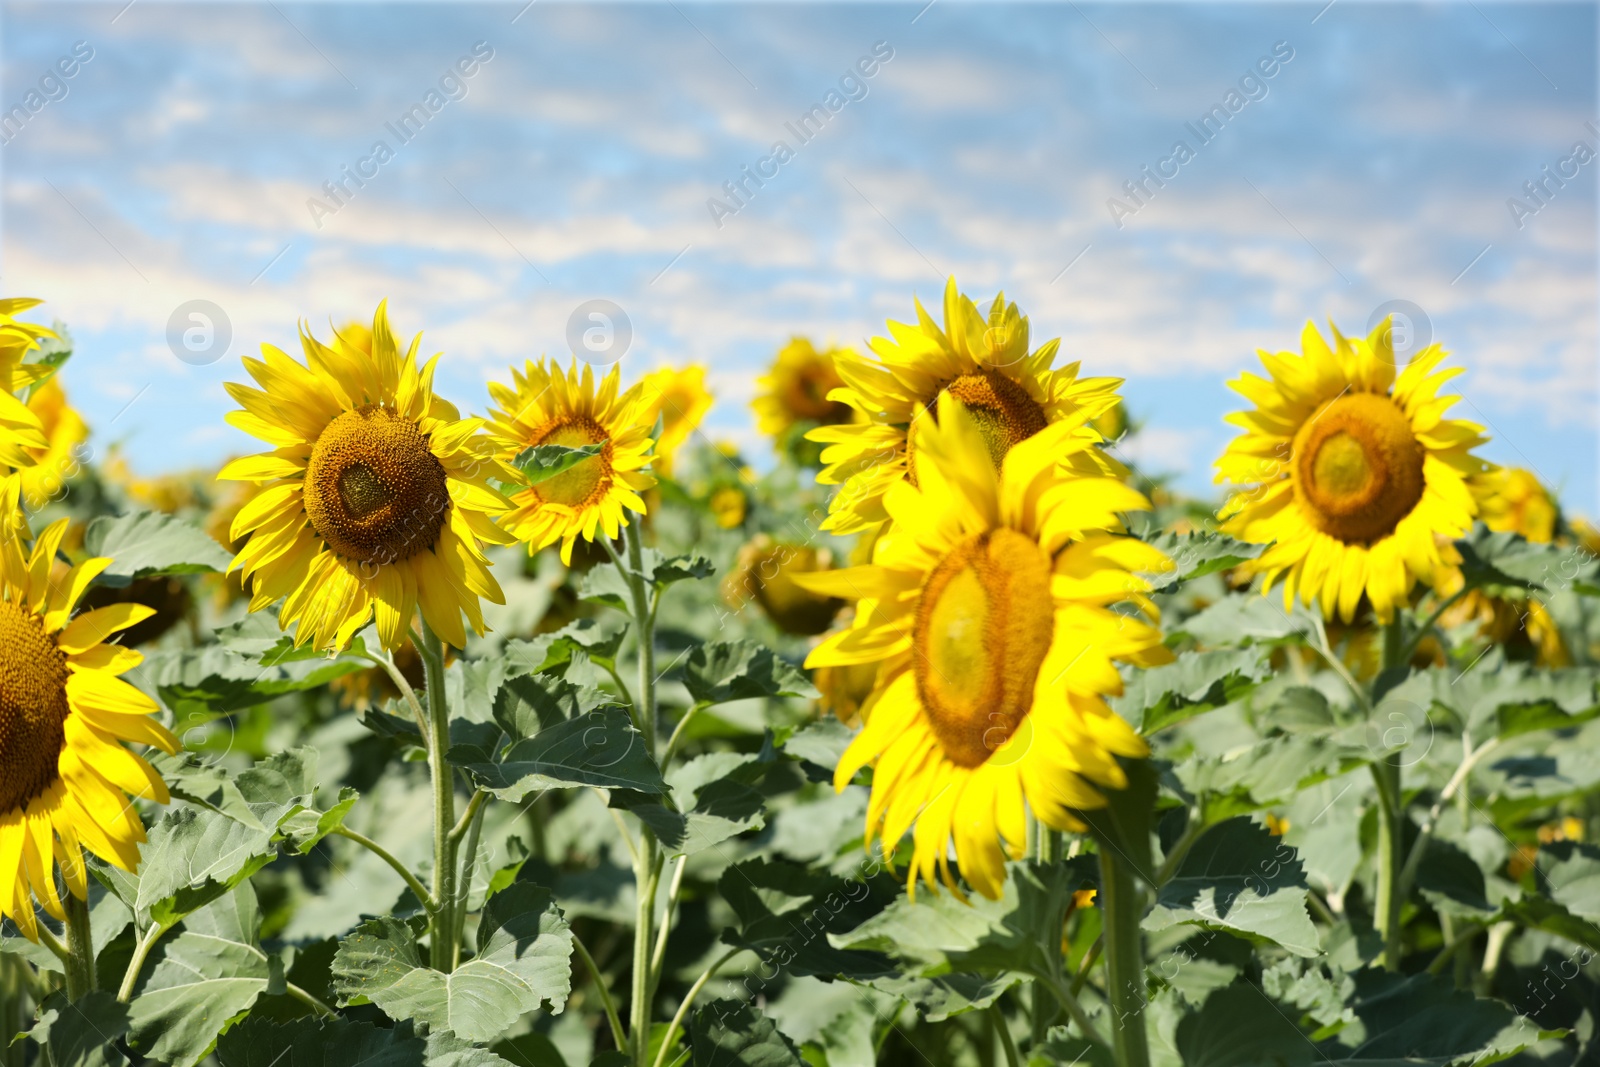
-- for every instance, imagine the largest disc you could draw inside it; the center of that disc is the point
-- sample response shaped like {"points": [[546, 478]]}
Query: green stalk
{"points": [[80, 948], [13, 1009], [1042, 1010], [647, 860], [1124, 960], [1391, 811], [442, 926]]}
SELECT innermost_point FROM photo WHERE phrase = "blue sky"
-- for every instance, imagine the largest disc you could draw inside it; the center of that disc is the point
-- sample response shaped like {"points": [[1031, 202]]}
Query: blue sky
{"points": [[577, 160]]}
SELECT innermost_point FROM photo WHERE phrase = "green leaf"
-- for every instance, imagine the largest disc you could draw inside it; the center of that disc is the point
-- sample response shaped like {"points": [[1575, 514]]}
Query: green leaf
{"points": [[1061, 1047], [210, 973], [83, 1033], [1507, 563], [722, 671], [144, 543], [1423, 1019], [600, 748], [1452, 880], [258, 1042], [1239, 1026], [1509, 698], [785, 910], [1257, 618], [215, 680], [939, 933], [714, 797], [1198, 554], [540, 463], [1128, 818], [194, 857], [523, 959], [731, 1033], [608, 585], [1239, 878], [303, 830], [1196, 682]]}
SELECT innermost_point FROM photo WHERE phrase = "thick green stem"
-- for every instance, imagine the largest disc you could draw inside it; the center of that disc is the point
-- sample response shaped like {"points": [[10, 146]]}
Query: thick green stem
{"points": [[80, 948], [1003, 1032], [1042, 1010], [472, 821], [442, 925], [1391, 814], [141, 953], [647, 858], [1124, 960], [14, 1001]]}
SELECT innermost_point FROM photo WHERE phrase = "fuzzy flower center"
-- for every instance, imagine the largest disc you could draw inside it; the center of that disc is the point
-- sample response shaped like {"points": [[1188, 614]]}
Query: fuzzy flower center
{"points": [[1358, 468], [374, 490], [983, 625], [33, 706]]}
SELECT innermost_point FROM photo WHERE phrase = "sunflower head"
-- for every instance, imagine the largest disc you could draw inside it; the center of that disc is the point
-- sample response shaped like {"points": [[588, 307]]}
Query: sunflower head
{"points": [[990, 613], [64, 716], [795, 396], [545, 405], [765, 573], [62, 457], [377, 499], [1515, 501], [1349, 468], [679, 399], [983, 364]]}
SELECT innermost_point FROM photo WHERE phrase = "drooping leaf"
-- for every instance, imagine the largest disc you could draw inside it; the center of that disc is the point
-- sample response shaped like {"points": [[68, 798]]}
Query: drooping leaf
{"points": [[608, 585], [1507, 562], [1423, 1019], [731, 1033], [1234, 619], [1240, 1026], [1194, 683], [523, 959], [714, 797], [144, 543], [721, 671], [1239, 878], [209, 973]]}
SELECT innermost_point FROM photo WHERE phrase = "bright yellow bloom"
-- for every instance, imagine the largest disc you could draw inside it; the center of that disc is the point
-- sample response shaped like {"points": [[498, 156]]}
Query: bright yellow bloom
{"points": [[795, 390], [64, 714], [729, 506], [60, 460], [984, 365], [22, 436], [989, 607], [680, 400], [547, 406], [1350, 472], [1515, 502], [376, 500]]}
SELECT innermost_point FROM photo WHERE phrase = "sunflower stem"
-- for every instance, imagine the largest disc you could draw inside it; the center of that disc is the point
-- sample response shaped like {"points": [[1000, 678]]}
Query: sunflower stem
{"points": [[647, 860], [1125, 985], [1386, 776], [442, 932], [80, 947]]}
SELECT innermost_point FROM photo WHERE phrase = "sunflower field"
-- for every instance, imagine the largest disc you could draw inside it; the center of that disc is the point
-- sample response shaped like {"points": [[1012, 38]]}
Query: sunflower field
{"points": [[536, 728]]}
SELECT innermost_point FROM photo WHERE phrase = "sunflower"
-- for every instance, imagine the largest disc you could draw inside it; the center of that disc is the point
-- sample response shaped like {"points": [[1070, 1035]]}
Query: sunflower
{"points": [[765, 572], [795, 390], [1351, 472], [64, 714], [989, 611], [545, 405], [64, 431], [376, 498], [680, 400], [1513, 501], [22, 435], [985, 366]]}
